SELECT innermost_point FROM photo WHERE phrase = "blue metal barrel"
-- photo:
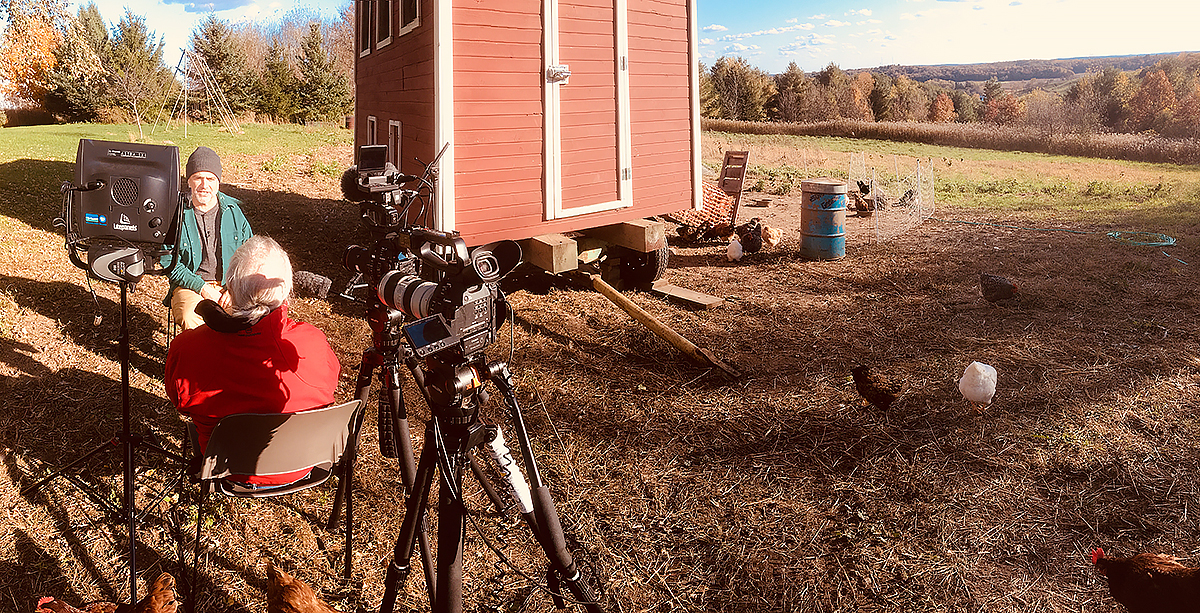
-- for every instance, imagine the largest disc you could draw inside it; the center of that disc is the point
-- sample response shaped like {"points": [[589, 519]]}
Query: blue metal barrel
{"points": [[823, 219]]}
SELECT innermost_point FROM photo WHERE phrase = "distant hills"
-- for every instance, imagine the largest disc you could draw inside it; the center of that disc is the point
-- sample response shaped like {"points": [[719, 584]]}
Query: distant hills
{"points": [[1020, 70]]}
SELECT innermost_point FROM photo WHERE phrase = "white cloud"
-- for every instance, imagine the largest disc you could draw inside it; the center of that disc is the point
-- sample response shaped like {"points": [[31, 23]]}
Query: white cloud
{"points": [[793, 20], [707, 41], [715, 28], [819, 17], [210, 7], [738, 48], [907, 16], [833, 23], [863, 12]]}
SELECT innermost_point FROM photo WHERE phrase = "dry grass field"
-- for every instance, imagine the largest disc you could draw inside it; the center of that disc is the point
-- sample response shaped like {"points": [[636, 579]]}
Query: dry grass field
{"points": [[681, 489]]}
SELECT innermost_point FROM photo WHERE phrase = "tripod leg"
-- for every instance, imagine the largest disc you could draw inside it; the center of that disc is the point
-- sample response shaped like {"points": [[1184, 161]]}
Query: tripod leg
{"points": [[451, 523], [414, 514], [548, 530], [365, 369]]}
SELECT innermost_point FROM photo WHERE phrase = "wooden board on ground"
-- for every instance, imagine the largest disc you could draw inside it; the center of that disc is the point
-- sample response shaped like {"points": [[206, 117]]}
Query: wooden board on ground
{"points": [[662, 287]]}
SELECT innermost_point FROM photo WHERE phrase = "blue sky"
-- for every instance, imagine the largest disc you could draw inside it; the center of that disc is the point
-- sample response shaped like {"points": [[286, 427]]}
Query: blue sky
{"points": [[865, 34], [859, 34]]}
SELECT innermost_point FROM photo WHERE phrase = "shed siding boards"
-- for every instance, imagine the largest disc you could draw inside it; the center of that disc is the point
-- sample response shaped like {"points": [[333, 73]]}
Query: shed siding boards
{"points": [[660, 106], [497, 117], [498, 108], [395, 83]]}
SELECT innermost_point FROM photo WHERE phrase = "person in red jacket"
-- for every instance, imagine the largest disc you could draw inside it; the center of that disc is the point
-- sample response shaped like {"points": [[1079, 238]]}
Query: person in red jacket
{"points": [[250, 357]]}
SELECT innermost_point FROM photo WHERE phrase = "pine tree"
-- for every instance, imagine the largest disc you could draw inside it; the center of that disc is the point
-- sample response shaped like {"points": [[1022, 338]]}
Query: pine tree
{"points": [[213, 40], [77, 89], [790, 88], [277, 86], [137, 75], [322, 93]]}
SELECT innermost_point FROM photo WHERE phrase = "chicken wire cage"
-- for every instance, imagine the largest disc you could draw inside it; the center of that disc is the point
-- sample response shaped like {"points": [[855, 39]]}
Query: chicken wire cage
{"points": [[895, 192]]}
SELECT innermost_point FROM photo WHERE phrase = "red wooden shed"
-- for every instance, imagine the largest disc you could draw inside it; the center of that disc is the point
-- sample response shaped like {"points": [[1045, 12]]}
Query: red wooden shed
{"points": [[561, 116]]}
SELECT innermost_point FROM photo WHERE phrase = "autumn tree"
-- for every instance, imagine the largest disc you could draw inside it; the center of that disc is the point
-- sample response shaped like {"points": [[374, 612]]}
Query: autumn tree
{"points": [[137, 75], [1113, 89], [1003, 110], [743, 90], [1153, 102], [942, 109], [1185, 123], [213, 40], [322, 92], [911, 102], [710, 102], [32, 32]]}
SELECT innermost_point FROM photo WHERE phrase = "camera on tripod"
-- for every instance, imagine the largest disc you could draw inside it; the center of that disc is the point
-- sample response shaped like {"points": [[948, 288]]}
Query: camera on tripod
{"points": [[448, 292]]}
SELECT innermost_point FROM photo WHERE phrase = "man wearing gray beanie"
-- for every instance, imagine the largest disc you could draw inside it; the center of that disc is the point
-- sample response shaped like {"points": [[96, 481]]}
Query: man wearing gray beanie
{"points": [[213, 228]]}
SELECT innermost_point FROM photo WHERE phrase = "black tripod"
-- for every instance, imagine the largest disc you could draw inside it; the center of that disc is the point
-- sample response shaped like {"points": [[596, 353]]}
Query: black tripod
{"points": [[384, 355], [454, 392], [128, 443]]}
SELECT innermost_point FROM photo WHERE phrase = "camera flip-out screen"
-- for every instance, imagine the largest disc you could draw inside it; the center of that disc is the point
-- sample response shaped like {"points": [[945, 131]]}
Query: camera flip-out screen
{"points": [[428, 335], [128, 191]]}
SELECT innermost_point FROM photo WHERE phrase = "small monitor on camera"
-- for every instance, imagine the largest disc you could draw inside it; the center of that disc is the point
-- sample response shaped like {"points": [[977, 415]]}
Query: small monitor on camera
{"points": [[125, 191], [372, 159]]}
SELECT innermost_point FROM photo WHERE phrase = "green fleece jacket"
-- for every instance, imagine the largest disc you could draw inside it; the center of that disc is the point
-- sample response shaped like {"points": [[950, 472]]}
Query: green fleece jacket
{"points": [[234, 231]]}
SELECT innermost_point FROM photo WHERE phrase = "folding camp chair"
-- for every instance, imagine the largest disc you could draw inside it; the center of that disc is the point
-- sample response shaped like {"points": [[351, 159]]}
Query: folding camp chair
{"points": [[322, 440]]}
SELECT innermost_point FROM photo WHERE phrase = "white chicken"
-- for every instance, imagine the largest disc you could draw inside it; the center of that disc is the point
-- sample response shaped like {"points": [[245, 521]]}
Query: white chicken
{"points": [[978, 385], [734, 252]]}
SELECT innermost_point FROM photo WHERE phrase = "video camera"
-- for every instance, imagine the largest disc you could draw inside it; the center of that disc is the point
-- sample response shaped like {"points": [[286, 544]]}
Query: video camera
{"points": [[448, 293]]}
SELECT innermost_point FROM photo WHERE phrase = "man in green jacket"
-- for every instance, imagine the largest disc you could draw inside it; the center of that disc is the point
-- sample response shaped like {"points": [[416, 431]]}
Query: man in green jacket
{"points": [[213, 227]]}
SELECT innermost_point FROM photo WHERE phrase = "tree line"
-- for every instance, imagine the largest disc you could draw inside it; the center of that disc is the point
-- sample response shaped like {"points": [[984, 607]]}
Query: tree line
{"points": [[1162, 99], [78, 68]]}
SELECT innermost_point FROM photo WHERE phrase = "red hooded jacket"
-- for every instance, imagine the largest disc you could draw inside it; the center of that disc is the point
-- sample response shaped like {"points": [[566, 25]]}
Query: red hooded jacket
{"points": [[277, 365]]}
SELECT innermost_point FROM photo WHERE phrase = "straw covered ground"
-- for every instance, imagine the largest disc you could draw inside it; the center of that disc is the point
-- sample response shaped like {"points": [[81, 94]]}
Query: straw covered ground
{"points": [[682, 489]]}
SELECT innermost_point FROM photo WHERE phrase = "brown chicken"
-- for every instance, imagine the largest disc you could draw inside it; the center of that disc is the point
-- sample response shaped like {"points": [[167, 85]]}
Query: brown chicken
{"points": [[161, 599], [287, 594], [875, 386], [996, 288], [1150, 582]]}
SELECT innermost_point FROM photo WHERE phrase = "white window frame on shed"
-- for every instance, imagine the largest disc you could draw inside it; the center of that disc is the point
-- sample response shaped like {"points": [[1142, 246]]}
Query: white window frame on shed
{"points": [[364, 28], [383, 23], [372, 127], [414, 22], [394, 132]]}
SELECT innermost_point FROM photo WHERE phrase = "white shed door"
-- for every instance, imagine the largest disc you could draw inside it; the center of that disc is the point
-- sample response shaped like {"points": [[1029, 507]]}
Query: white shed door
{"points": [[587, 143]]}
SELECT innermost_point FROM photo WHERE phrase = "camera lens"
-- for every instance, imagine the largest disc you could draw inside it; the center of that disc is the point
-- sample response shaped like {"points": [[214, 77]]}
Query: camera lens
{"points": [[407, 292]]}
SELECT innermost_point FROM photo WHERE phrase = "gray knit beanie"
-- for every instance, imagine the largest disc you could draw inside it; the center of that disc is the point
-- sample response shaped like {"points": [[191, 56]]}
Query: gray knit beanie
{"points": [[204, 159]]}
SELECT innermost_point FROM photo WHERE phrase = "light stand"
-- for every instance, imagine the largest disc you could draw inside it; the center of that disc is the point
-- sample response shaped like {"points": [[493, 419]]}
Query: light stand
{"points": [[124, 266]]}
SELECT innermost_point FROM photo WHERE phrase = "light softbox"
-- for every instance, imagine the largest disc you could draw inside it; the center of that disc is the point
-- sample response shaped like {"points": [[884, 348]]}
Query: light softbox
{"points": [[127, 191]]}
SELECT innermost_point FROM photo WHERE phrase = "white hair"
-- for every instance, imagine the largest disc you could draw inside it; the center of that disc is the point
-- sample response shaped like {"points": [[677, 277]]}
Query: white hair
{"points": [[259, 278]]}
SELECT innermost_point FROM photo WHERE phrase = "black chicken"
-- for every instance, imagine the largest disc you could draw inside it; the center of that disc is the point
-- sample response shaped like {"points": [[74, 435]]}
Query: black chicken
{"points": [[996, 288], [750, 235], [876, 387], [864, 188]]}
